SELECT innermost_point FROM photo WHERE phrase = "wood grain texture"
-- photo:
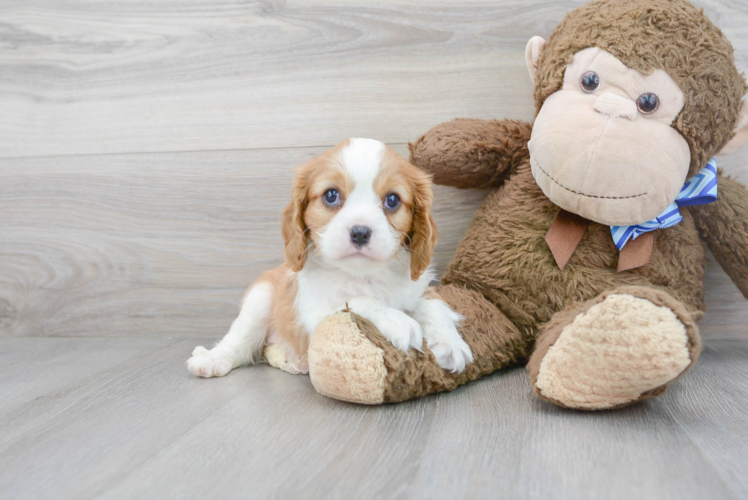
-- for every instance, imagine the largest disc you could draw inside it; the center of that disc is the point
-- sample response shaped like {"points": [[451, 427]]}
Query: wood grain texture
{"points": [[710, 408], [146, 150], [78, 77], [152, 244], [143, 427], [164, 244]]}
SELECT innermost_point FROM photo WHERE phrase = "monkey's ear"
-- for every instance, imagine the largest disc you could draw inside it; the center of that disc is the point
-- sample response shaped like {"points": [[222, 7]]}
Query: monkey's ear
{"points": [[532, 54], [741, 132]]}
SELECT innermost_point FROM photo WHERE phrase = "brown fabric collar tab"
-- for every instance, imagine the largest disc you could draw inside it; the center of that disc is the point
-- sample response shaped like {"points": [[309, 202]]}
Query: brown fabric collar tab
{"points": [[636, 253], [564, 236], [567, 231]]}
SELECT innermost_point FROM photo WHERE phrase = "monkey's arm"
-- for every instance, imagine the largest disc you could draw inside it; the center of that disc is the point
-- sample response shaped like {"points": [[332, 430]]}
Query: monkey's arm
{"points": [[470, 153], [724, 226]]}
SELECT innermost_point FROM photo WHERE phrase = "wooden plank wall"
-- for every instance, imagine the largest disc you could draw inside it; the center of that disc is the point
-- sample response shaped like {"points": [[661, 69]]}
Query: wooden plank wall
{"points": [[147, 148]]}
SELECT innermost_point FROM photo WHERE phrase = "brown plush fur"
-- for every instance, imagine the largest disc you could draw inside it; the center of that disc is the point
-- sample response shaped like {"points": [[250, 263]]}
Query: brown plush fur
{"points": [[495, 343], [480, 153], [724, 226], [648, 34], [503, 276], [504, 258]]}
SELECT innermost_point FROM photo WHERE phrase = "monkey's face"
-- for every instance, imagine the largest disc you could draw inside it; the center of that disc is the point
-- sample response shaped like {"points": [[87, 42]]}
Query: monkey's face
{"points": [[602, 147]]}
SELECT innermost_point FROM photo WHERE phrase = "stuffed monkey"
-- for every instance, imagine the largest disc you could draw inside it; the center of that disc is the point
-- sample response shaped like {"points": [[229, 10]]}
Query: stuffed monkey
{"points": [[586, 261]]}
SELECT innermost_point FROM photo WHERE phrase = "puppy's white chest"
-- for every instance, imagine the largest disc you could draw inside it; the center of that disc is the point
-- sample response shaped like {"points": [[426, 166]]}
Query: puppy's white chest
{"points": [[322, 292]]}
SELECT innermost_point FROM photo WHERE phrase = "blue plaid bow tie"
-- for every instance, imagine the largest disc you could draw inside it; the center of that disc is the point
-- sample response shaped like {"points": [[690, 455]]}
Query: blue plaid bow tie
{"points": [[698, 190]]}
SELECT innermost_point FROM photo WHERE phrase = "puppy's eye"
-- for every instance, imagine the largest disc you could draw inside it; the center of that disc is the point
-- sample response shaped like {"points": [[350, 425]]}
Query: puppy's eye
{"points": [[590, 82], [331, 198], [392, 202], [648, 103]]}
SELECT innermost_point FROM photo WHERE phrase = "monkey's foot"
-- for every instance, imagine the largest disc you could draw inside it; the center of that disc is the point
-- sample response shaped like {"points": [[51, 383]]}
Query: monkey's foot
{"points": [[350, 360], [621, 347]]}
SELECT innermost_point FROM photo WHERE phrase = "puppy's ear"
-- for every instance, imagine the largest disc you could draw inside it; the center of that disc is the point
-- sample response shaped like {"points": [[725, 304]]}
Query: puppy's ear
{"points": [[294, 227], [424, 235]]}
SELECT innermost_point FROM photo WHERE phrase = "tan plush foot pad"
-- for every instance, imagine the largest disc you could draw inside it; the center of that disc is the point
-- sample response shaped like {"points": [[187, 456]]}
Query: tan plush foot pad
{"points": [[344, 364], [620, 350], [350, 360]]}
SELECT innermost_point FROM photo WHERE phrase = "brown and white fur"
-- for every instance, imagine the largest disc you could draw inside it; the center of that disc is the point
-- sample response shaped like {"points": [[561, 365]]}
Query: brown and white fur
{"points": [[363, 251]]}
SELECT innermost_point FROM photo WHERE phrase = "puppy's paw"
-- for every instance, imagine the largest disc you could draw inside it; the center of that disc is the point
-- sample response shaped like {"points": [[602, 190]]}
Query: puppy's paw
{"points": [[284, 358], [400, 329], [396, 326], [207, 364], [451, 352]]}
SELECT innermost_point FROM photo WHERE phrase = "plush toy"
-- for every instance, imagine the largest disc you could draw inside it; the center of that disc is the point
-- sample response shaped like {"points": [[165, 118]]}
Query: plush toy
{"points": [[587, 260]]}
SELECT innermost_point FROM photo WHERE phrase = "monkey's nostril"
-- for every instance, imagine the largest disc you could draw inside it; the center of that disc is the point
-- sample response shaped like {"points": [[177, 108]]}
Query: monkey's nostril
{"points": [[360, 235], [615, 106]]}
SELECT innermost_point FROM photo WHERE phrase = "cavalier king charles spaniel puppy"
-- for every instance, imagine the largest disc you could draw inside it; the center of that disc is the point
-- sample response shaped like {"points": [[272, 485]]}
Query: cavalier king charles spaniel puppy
{"points": [[359, 234]]}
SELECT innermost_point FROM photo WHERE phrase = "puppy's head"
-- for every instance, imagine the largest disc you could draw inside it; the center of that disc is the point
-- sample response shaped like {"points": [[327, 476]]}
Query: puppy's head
{"points": [[359, 205]]}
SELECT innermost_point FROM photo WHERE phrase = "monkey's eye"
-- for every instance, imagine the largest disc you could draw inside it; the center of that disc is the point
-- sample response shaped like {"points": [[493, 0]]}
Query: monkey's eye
{"points": [[331, 198], [392, 201], [648, 103], [590, 82]]}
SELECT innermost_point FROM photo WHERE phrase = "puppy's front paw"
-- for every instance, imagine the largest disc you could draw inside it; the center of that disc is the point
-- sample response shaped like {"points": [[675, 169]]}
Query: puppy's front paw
{"points": [[207, 364], [452, 356], [396, 326], [400, 329], [451, 352]]}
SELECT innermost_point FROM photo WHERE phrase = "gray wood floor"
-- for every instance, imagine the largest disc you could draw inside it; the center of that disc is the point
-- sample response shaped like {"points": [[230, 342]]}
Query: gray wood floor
{"points": [[146, 150], [122, 418]]}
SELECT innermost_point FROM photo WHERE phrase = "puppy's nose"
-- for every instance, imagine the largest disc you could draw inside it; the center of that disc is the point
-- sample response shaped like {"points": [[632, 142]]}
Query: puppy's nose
{"points": [[360, 235]]}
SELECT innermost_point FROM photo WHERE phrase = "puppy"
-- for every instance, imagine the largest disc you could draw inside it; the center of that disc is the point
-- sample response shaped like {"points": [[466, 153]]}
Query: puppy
{"points": [[359, 234]]}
